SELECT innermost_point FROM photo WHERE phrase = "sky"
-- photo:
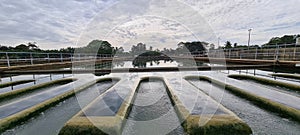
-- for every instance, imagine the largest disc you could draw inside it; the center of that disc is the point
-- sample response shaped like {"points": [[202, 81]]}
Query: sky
{"points": [[55, 24]]}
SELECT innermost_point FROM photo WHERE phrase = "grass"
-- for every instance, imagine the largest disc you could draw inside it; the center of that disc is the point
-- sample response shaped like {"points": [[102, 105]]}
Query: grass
{"points": [[3, 85], [267, 81], [262, 102], [24, 115]]}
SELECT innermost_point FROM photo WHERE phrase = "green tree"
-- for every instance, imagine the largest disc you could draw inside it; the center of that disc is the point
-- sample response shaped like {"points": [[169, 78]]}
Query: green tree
{"points": [[192, 47], [286, 39], [228, 44], [235, 45], [138, 49], [103, 47], [22, 47]]}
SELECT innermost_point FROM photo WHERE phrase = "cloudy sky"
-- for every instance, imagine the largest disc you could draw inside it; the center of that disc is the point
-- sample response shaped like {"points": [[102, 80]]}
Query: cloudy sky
{"points": [[159, 23]]}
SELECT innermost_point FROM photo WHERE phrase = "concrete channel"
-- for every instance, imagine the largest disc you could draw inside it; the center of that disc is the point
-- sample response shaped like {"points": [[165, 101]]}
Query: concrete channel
{"points": [[140, 109], [201, 114], [286, 107], [35, 89], [266, 81], [34, 104], [183, 105], [106, 114], [153, 111], [260, 120], [291, 76], [2, 85], [37, 79], [54, 118]]}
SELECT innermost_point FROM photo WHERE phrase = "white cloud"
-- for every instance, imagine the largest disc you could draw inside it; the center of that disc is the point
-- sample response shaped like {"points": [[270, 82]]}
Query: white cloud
{"points": [[231, 19], [56, 23]]}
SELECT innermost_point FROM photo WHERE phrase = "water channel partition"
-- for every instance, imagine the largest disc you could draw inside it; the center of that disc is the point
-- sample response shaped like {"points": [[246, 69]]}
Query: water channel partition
{"points": [[19, 92], [106, 114], [206, 116], [19, 117]]}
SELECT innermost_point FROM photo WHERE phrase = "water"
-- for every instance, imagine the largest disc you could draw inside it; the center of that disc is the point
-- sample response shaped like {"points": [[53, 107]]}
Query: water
{"points": [[264, 74], [25, 95], [106, 106], [109, 103], [38, 80], [283, 98], [276, 88], [18, 105], [52, 120], [260, 121], [153, 112], [150, 63], [150, 118], [194, 100]]}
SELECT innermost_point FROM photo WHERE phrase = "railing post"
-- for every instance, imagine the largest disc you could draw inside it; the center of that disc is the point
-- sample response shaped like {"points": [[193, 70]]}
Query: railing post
{"points": [[71, 57], [295, 53], [7, 58], [33, 76], [48, 57], [31, 59], [256, 53], [277, 52], [61, 57], [284, 51]]}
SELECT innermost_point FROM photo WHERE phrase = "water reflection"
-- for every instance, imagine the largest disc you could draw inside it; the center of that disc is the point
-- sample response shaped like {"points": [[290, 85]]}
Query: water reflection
{"points": [[144, 63]]}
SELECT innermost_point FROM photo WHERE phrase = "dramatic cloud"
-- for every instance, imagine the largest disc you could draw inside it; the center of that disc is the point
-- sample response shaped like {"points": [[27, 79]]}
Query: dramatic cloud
{"points": [[57, 24]]}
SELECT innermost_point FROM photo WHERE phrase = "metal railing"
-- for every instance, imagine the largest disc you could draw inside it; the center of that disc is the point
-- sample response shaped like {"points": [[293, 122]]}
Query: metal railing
{"points": [[285, 52], [29, 58]]}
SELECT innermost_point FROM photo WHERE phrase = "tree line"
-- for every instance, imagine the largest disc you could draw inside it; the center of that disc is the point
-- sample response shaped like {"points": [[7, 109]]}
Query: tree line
{"points": [[286, 39], [104, 47]]}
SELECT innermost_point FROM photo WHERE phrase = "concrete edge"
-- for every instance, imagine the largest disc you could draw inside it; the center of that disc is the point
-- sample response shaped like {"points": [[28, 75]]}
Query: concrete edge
{"points": [[3, 85], [79, 124], [267, 81], [216, 124], [15, 93], [291, 76], [262, 102], [26, 114]]}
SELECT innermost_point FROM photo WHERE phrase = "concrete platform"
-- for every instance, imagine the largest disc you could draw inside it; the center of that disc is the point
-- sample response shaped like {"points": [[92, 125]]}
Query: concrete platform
{"points": [[201, 114]]}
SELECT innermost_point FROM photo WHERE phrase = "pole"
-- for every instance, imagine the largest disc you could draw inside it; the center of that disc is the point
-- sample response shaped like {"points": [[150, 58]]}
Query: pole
{"points": [[7, 58], [48, 57], [218, 41], [256, 53], [295, 53], [31, 59], [277, 48], [61, 57], [249, 38]]}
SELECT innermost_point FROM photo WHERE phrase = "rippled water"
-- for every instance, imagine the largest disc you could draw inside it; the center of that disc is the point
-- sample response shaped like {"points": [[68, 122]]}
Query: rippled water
{"points": [[152, 118], [52, 120], [260, 121]]}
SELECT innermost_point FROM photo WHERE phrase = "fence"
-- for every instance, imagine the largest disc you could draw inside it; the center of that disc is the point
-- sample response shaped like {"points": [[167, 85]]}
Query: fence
{"points": [[286, 52], [24, 58]]}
